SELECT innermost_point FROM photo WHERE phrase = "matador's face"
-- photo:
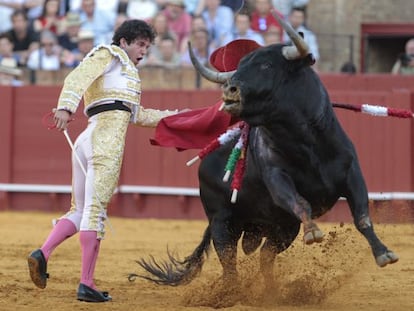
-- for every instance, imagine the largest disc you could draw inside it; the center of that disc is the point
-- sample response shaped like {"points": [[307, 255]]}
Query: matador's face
{"points": [[136, 50]]}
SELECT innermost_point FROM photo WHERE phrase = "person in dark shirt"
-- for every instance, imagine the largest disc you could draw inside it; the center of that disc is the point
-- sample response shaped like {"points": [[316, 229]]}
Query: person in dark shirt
{"points": [[24, 38], [72, 58], [69, 38]]}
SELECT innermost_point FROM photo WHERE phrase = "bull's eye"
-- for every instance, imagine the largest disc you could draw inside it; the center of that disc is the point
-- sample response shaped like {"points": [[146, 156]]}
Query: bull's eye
{"points": [[265, 66]]}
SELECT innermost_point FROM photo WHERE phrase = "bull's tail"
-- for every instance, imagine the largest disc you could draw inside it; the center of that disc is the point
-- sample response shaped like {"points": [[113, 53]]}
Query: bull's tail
{"points": [[176, 272]]}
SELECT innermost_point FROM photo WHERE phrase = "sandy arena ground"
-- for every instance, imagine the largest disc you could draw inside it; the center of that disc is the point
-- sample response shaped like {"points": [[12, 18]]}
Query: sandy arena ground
{"points": [[338, 275]]}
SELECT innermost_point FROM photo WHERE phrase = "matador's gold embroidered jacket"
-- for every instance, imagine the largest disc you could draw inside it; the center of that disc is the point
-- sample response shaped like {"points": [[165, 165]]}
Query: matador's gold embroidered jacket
{"points": [[107, 74]]}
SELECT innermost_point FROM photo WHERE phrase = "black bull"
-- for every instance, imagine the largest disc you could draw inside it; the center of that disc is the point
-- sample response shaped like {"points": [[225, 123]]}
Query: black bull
{"points": [[299, 163]]}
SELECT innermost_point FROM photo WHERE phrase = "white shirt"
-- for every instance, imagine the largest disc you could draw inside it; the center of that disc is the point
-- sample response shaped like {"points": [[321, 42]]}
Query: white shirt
{"points": [[47, 62], [105, 5]]}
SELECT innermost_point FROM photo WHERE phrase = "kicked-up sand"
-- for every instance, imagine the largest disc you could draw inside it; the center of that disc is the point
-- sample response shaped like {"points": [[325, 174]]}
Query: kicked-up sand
{"points": [[339, 274]]}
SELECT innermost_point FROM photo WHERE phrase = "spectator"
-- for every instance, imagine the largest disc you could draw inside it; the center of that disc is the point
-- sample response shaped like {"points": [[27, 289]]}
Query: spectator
{"points": [[141, 9], [159, 23], [194, 7], [85, 40], [50, 18], [178, 20], [296, 20], [99, 21], [201, 49], [263, 20], [33, 9], [168, 57], [285, 6], [243, 30], [25, 39], [7, 7], [110, 6], [348, 67], [68, 40], [9, 73], [405, 62], [6, 48], [220, 21], [271, 37], [197, 23], [47, 57]]}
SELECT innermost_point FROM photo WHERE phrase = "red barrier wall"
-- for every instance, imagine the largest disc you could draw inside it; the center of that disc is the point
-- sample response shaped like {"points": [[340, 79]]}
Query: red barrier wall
{"points": [[31, 154]]}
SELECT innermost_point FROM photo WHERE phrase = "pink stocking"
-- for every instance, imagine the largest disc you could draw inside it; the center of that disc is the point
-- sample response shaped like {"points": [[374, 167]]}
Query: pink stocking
{"points": [[90, 250], [62, 230]]}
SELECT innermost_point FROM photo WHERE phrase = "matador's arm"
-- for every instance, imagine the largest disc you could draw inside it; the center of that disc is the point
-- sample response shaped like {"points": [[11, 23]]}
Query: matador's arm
{"points": [[150, 117], [79, 79]]}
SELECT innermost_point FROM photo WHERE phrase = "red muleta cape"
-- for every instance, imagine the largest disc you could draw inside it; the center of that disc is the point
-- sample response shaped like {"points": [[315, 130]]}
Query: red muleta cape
{"points": [[196, 128]]}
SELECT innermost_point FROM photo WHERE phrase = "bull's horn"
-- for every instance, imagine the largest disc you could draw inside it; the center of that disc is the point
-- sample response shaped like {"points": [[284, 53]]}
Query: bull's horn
{"points": [[300, 49], [211, 75]]}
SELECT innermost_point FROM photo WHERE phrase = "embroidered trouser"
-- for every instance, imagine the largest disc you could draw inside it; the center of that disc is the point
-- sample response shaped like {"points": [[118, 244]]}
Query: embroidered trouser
{"points": [[100, 148]]}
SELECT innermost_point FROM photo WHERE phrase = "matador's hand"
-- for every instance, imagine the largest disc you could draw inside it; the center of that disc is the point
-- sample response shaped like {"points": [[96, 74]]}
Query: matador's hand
{"points": [[62, 117]]}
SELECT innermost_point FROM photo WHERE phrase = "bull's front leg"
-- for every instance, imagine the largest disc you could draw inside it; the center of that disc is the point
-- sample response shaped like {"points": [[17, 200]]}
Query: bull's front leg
{"points": [[284, 195], [312, 233]]}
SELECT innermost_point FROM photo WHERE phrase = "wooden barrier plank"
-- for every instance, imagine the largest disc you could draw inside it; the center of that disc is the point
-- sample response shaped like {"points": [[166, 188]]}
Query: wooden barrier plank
{"points": [[6, 138], [6, 132], [382, 144], [33, 154]]}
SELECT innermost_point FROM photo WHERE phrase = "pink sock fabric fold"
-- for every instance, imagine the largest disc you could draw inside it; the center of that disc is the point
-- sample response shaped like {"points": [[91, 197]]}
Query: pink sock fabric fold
{"points": [[90, 249], [62, 230]]}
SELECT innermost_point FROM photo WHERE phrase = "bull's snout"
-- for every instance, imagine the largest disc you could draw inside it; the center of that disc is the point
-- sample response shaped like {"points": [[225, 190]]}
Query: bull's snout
{"points": [[230, 88], [231, 92], [231, 98]]}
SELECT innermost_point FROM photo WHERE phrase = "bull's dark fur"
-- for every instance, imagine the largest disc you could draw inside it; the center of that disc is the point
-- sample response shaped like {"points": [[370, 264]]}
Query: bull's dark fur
{"points": [[299, 163]]}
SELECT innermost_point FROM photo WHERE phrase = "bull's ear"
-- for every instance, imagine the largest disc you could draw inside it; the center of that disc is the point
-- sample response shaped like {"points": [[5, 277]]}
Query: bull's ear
{"points": [[297, 64], [309, 59]]}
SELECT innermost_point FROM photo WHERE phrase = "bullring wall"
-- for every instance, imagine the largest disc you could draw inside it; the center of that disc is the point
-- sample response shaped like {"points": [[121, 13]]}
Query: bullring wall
{"points": [[33, 155]]}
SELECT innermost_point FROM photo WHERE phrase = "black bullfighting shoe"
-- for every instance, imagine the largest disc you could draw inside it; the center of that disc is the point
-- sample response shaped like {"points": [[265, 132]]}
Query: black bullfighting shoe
{"points": [[88, 294], [38, 268]]}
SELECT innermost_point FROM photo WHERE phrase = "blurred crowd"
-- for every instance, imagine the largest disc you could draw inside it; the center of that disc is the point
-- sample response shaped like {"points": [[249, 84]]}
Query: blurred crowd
{"points": [[56, 34]]}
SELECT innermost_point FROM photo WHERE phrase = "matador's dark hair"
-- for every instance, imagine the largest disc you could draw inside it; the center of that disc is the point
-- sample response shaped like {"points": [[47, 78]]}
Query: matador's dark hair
{"points": [[133, 29]]}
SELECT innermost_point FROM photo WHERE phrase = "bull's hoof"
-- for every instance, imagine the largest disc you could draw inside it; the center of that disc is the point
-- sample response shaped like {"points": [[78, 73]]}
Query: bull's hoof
{"points": [[387, 258], [312, 235]]}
